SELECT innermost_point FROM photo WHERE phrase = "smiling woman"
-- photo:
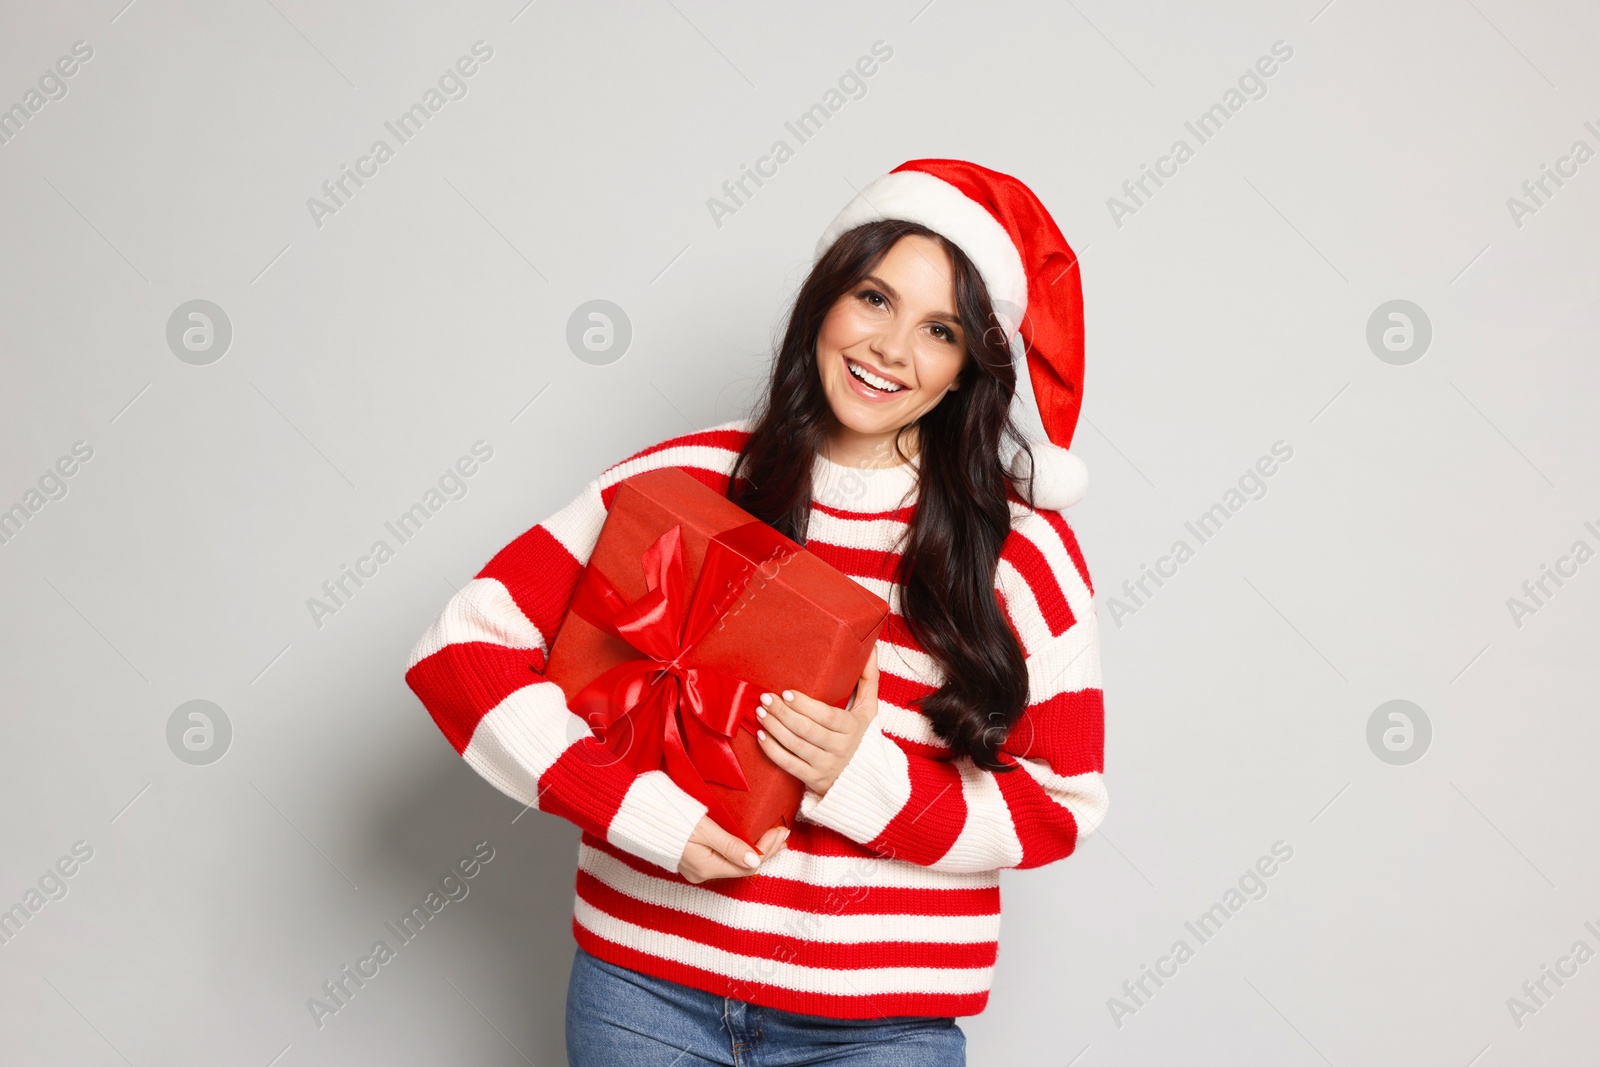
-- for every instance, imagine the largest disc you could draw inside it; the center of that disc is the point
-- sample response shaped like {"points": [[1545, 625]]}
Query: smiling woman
{"points": [[890, 350], [973, 740]]}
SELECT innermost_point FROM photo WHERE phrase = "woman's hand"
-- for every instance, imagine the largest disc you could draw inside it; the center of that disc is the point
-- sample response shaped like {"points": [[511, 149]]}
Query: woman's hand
{"points": [[811, 740], [713, 852]]}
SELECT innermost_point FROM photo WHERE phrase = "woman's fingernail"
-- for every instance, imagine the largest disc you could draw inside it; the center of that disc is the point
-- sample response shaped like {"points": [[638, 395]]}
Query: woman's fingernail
{"points": [[752, 859], [761, 733], [788, 694], [761, 713], [766, 698]]}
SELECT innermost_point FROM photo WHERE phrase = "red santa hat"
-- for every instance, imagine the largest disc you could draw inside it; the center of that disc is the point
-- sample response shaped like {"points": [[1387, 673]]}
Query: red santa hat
{"points": [[1032, 277]]}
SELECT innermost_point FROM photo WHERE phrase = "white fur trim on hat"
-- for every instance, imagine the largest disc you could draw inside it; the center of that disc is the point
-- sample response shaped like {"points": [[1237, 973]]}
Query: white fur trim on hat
{"points": [[1059, 478], [917, 196]]}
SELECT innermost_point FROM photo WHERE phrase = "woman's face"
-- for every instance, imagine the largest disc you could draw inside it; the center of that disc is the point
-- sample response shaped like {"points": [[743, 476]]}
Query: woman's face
{"points": [[899, 327]]}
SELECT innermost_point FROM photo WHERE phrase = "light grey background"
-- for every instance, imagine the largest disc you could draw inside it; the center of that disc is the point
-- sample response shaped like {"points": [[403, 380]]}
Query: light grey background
{"points": [[1229, 312]]}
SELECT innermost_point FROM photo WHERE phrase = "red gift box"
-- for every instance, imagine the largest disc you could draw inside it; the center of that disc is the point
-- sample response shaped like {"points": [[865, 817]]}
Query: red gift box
{"points": [[689, 609]]}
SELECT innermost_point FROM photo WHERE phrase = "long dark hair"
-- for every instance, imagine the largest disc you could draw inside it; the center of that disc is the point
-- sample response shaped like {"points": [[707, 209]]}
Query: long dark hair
{"points": [[962, 516]]}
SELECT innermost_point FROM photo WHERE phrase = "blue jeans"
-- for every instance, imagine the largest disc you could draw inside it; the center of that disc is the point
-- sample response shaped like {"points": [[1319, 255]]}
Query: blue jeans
{"points": [[619, 1017]]}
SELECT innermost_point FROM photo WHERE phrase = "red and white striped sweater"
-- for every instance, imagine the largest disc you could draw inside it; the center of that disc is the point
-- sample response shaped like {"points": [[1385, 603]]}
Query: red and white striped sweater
{"points": [[886, 899]]}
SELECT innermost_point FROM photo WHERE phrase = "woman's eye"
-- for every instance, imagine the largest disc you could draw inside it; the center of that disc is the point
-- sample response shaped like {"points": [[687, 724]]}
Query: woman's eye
{"points": [[871, 295], [944, 332]]}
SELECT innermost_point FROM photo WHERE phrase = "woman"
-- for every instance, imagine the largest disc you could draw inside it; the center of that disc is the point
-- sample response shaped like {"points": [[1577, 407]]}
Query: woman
{"points": [[973, 741]]}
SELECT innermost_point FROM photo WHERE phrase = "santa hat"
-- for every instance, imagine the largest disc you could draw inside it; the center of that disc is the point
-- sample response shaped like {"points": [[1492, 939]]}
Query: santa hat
{"points": [[1032, 277]]}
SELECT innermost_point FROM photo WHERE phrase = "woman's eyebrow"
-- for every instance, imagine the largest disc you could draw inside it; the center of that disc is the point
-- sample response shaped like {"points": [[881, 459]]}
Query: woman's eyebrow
{"points": [[893, 295]]}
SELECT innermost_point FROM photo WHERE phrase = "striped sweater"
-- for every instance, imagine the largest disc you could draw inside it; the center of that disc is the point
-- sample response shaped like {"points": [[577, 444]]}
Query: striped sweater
{"points": [[886, 899]]}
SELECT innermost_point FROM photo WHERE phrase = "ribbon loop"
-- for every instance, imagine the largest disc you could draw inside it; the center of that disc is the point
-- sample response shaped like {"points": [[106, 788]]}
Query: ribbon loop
{"points": [[683, 713]]}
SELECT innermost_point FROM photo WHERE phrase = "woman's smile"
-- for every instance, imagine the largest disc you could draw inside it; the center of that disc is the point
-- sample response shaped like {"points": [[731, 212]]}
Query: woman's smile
{"points": [[869, 384]]}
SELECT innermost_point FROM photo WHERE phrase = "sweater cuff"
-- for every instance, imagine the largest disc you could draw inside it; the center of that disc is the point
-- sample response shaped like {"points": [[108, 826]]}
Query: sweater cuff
{"points": [[656, 820], [871, 790]]}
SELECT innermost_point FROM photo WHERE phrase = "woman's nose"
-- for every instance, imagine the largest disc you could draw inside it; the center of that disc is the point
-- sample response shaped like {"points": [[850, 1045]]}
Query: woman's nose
{"points": [[892, 344]]}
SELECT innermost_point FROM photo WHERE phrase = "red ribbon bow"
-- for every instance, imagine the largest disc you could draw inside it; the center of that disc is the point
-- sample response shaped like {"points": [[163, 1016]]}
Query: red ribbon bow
{"points": [[682, 713]]}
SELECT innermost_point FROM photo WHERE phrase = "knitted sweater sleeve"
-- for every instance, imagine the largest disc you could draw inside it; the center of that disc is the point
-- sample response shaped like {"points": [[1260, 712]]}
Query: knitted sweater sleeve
{"points": [[478, 668], [951, 815]]}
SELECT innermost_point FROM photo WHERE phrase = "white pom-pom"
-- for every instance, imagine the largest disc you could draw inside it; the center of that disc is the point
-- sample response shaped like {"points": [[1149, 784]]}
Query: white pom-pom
{"points": [[1059, 478]]}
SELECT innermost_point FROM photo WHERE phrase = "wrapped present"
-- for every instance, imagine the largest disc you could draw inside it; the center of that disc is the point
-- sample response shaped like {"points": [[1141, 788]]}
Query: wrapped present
{"points": [[688, 610]]}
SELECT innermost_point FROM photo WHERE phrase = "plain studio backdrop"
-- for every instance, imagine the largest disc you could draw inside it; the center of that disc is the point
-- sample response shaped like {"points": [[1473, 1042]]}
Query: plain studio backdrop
{"points": [[230, 368]]}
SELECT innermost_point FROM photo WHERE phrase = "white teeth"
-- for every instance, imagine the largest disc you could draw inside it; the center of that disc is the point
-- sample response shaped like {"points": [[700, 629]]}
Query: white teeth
{"points": [[871, 379]]}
